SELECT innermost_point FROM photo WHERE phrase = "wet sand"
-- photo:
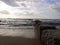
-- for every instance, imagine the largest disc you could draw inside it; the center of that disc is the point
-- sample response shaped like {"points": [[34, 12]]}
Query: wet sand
{"points": [[8, 40], [18, 37]]}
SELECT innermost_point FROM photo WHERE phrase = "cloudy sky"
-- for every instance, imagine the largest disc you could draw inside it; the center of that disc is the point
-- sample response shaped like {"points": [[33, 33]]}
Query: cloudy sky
{"points": [[43, 9]]}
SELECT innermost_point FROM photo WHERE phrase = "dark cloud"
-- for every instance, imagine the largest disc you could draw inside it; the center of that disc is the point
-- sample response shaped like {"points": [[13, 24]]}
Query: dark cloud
{"points": [[57, 0], [10, 2], [57, 9], [20, 0], [51, 1]]}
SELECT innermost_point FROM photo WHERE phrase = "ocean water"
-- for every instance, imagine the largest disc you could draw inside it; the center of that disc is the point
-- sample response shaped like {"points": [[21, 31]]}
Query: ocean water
{"points": [[13, 27]]}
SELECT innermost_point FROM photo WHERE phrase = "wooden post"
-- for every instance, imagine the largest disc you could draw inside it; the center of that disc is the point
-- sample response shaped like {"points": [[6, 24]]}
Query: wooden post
{"points": [[37, 29]]}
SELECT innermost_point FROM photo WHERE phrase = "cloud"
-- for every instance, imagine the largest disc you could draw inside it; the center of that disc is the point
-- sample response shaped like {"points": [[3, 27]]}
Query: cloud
{"points": [[10, 2], [51, 1], [34, 8], [4, 12], [57, 9], [48, 9], [14, 4]]}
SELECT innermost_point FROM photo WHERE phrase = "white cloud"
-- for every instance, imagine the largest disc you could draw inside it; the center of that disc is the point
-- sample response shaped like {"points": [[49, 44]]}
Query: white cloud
{"points": [[34, 9], [4, 12], [17, 11]]}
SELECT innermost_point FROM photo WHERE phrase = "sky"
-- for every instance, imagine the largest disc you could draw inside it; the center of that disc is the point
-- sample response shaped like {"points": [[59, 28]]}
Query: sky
{"points": [[36, 9]]}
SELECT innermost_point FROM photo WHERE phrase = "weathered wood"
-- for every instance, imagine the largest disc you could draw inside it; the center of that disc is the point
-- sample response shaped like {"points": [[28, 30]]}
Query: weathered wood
{"points": [[37, 28]]}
